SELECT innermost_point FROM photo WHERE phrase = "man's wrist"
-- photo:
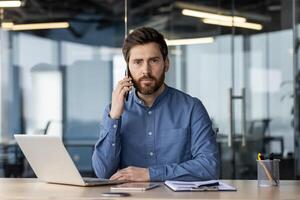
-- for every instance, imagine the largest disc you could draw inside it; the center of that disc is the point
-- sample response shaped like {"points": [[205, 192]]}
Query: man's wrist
{"points": [[112, 116]]}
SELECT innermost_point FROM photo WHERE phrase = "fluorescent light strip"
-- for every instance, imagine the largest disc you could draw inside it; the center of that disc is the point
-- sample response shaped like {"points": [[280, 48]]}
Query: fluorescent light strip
{"points": [[7, 25], [200, 14], [247, 25], [10, 4], [190, 41], [36, 26]]}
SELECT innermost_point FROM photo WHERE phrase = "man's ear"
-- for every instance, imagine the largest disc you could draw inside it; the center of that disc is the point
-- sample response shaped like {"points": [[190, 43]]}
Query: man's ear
{"points": [[167, 64]]}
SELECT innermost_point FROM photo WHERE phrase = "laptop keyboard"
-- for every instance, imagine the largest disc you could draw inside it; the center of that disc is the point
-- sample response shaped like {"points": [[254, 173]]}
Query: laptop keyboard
{"points": [[94, 180]]}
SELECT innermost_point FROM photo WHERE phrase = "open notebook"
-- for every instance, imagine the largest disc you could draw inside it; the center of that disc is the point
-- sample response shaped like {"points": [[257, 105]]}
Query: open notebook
{"points": [[193, 186]]}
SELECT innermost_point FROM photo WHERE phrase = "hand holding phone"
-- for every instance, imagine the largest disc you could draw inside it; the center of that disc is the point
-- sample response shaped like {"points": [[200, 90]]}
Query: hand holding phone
{"points": [[119, 95]]}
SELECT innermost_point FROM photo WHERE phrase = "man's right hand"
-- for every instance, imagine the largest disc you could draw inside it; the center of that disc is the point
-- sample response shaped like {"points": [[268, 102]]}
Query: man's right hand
{"points": [[118, 97]]}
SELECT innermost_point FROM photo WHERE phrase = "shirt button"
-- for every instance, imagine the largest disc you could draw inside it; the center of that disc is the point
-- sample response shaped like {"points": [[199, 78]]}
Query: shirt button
{"points": [[140, 101], [113, 144], [115, 126], [150, 112], [151, 153], [150, 133]]}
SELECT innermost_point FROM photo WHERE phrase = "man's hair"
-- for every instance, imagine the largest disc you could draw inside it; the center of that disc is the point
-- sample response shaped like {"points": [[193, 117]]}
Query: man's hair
{"points": [[144, 35]]}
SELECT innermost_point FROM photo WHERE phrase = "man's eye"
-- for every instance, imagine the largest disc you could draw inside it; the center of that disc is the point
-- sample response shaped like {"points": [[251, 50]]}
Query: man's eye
{"points": [[137, 62], [154, 61]]}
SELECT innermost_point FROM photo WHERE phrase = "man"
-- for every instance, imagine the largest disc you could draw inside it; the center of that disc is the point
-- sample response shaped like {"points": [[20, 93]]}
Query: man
{"points": [[159, 133]]}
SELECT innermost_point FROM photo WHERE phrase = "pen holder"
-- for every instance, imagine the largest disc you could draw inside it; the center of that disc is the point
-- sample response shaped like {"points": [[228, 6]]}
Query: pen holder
{"points": [[268, 172]]}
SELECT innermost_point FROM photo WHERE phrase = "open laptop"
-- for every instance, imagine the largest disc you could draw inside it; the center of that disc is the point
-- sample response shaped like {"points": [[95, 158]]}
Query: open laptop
{"points": [[51, 162]]}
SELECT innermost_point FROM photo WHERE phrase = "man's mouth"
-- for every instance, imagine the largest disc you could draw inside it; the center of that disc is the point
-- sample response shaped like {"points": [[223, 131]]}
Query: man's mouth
{"points": [[146, 80]]}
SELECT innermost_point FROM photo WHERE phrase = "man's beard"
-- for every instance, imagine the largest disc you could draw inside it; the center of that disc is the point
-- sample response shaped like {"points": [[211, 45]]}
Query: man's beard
{"points": [[149, 89]]}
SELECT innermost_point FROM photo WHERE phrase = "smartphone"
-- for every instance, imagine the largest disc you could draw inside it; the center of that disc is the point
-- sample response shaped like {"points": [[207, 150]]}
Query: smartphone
{"points": [[127, 73], [134, 187], [115, 194]]}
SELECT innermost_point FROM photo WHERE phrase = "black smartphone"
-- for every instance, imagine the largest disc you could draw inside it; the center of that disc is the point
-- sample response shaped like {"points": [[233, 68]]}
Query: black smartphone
{"points": [[115, 194], [127, 73]]}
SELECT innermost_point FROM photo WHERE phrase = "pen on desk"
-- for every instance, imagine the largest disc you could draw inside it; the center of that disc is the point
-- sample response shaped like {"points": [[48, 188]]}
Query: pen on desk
{"points": [[205, 188], [209, 184], [260, 157]]}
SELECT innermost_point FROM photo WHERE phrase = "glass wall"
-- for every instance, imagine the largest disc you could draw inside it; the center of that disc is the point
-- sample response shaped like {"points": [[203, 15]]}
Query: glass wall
{"points": [[243, 69], [57, 81], [252, 59]]}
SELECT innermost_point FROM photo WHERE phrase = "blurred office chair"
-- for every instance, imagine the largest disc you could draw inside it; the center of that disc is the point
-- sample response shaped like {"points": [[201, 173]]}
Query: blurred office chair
{"points": [[53, 128], [259, 126], [259, 129], [246, 156], [12, 160]]}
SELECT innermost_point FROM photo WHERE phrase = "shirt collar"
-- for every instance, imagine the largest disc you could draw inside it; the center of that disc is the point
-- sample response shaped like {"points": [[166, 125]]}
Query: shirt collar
{"points": [[157, 100]]}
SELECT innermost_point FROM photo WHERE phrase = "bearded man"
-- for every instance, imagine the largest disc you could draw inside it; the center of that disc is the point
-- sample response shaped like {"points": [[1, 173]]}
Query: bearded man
{"points": [[159, 133]]}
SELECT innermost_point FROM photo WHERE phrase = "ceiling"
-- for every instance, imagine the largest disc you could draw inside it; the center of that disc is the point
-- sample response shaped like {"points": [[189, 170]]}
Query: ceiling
{"points": [[165, 15], [103, 12]]}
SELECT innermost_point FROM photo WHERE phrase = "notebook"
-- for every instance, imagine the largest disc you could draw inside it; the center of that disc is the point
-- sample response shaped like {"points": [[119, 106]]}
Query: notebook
{"points": [[193, 186]]}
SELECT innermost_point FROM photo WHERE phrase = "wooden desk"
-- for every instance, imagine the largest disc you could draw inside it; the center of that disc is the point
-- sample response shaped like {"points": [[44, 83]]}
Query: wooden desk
{"points": [[31, 189]]}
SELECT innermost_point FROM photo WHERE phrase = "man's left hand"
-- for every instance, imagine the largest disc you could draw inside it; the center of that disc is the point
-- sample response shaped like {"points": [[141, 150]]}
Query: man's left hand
{"points": [[132, 174]]}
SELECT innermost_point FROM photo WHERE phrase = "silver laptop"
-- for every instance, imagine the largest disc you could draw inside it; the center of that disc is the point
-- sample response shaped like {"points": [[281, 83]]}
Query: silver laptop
{"points": [[51, 162]]}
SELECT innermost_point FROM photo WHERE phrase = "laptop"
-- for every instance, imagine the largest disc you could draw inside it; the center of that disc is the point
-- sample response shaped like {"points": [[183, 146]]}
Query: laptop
{"points": [[51, 162]]}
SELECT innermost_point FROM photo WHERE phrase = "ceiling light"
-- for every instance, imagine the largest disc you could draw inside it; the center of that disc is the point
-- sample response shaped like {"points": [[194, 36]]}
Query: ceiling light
{"points": [[247, 25], [35, 26], [10, 4], [7, 25], [200, 14], [189, 41]]}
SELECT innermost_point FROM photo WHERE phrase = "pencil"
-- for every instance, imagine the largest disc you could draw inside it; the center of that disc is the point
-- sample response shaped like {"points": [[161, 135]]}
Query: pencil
{"points": [[270, 177]]}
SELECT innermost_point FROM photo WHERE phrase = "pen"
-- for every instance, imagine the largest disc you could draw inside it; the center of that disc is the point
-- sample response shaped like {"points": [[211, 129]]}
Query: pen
{"points": [[205, 188], [208, 184]]}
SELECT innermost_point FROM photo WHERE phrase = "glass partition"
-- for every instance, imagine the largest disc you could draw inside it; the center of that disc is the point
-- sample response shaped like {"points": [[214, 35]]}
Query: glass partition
{"points": [[243, 74], [57, 81], [243, 67]]}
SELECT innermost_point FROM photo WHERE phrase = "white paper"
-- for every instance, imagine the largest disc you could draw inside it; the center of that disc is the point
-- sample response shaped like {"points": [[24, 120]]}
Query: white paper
{"points": [[198, 186]]}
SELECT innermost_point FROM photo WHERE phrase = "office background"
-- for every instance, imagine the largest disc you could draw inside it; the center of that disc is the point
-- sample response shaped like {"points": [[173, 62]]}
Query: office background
{"points": [[58, 81]]}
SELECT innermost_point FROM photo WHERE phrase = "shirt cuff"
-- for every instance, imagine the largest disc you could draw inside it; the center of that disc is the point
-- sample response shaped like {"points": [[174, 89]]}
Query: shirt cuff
{"points": [[110, 124], [156, 173]]}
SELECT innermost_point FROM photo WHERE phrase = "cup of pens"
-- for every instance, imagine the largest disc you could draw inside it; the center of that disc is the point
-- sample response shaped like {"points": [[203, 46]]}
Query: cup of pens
{"points": [[267, 171]]}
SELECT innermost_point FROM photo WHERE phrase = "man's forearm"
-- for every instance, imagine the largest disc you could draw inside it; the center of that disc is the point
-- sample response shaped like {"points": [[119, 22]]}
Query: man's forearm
{"points": [[105, 158], [201, 168], [106, 154]]}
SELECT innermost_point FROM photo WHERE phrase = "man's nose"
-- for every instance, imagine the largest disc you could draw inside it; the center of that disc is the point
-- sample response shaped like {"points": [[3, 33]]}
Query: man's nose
{"points": [[146, 69]]}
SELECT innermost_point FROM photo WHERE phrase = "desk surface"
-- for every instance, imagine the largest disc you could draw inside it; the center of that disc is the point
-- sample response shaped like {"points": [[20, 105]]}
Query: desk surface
{"points": [[23, 189]]}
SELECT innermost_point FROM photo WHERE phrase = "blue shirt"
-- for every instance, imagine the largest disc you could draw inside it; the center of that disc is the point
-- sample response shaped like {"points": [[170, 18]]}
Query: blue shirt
{"points": [[173, 138]]}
